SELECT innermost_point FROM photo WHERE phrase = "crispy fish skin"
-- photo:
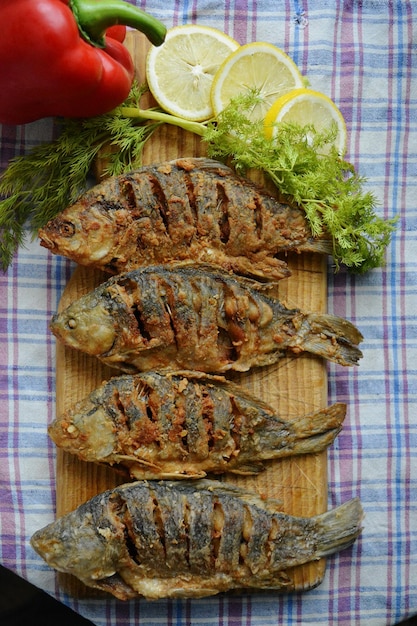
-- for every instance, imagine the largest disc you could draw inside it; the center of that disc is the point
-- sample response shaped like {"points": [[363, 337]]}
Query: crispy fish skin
{"points": [[191, 208], [162, 539], [183, 425], [196, 317]]}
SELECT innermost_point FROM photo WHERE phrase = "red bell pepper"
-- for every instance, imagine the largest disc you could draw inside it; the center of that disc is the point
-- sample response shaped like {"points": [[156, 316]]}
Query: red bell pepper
{"points": [[56, 60], [117, 32]]}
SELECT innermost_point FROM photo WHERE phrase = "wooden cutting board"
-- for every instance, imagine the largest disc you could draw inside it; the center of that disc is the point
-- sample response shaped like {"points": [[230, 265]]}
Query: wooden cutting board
{"points": [[294, 386]]}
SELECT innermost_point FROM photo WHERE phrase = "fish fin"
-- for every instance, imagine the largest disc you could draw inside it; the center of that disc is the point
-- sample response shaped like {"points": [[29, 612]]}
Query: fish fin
{"points": [[248, 469], [259, 283], [321, 245], [268, 270], [316, 431], [126, 458], [143, 473], [141, 469], [194, 374], [115, 585], [329, 336], [339, 527], [205, 164], [271, 504]]}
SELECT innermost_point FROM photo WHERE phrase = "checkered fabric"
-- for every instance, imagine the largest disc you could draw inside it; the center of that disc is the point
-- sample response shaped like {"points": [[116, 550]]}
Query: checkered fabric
{"points": [[362, 53]]}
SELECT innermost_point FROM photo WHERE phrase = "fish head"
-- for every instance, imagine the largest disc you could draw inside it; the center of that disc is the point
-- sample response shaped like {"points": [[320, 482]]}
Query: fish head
{"points": [[87, 431], [86, 325], [72, 544], [82, 233]]}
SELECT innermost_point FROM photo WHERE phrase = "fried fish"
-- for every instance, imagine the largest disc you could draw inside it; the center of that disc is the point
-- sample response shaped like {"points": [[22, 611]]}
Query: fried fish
{"points": [[185, 424], [189, 539], [196, 317], [192, 208]]}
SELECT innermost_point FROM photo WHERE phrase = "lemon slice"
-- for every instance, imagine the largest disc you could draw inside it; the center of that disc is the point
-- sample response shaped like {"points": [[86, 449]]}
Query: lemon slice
{"points": [[255, 66], [180, 71], [305, 106]]}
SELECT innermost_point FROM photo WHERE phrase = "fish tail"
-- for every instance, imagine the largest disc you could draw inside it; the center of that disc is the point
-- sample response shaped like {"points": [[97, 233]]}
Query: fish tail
{"points": [[331, 337], [316, 431], [339, 527]]}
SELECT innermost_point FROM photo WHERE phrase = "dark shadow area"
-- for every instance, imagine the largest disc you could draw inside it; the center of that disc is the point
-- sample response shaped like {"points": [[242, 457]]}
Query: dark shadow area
{"points": [[22, 603]]}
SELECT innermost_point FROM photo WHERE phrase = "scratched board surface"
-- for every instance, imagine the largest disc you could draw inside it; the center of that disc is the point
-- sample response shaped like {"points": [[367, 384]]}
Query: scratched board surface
{"points": [[293, 387]]}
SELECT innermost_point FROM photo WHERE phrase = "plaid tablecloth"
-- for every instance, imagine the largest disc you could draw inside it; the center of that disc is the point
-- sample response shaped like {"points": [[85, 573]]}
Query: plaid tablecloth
{"points": [[362, 53]]}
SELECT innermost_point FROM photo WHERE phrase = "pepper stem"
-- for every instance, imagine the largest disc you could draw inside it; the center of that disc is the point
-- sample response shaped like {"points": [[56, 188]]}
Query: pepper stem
{"points": [[95, 17]]}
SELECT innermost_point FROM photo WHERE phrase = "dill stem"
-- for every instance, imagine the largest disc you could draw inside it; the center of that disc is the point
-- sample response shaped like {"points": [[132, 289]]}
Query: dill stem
{"points": [[197, 128]]}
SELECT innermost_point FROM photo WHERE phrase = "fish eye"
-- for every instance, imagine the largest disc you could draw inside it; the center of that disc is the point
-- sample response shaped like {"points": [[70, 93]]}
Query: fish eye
{"points": [[72, 323], [67, 229]]}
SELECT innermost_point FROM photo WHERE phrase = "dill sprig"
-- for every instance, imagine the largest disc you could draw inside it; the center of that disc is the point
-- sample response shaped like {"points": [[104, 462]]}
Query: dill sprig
{"points": [[38, 185], [307, 170]]}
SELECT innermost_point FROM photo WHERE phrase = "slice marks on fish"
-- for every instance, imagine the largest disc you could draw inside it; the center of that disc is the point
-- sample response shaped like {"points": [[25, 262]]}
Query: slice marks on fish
{"points": [[162, 539], [185, 424], [196, 317], [191, 208]]}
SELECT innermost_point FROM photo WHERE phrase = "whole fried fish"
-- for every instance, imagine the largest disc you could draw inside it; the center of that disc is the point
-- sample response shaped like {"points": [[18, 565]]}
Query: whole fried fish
{"points": [[192, 208], [196, 317], [184, 424], [189, 539]]}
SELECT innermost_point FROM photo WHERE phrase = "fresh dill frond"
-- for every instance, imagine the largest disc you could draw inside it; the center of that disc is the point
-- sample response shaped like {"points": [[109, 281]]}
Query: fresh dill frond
{"points": [[308, 171]]}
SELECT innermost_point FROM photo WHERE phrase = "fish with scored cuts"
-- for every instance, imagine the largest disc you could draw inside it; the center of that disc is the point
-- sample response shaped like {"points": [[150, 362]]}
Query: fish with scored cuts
{"points": [[189, 539], [190, 208], [196, 317], [185, 424]]}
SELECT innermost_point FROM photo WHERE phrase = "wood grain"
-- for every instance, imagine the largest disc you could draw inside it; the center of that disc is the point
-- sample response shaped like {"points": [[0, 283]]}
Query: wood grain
{"points": [[293, 387]]}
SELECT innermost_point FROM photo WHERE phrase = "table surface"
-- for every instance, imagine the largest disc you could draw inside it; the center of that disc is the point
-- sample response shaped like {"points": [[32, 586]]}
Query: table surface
{"points": [[363, 55]]}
